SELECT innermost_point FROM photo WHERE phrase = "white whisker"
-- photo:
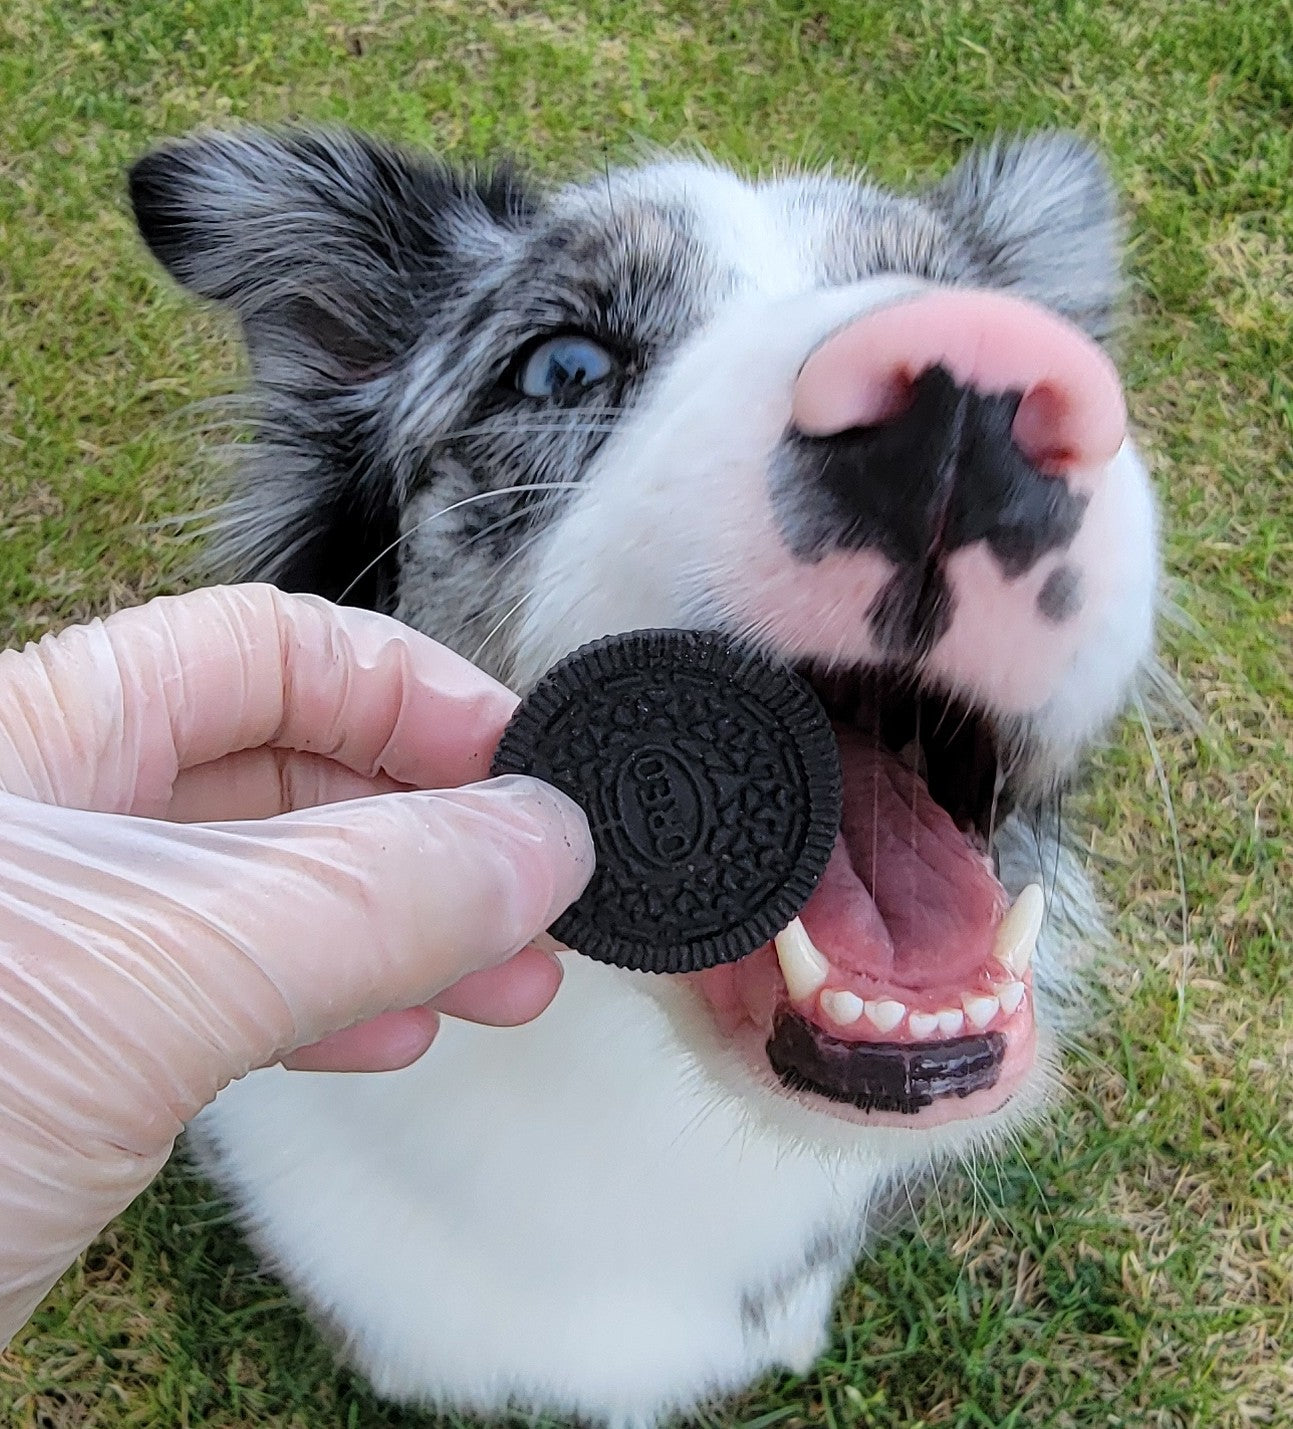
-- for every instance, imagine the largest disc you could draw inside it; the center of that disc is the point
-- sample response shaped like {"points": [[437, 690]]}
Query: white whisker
{"points": [[1170, 808], [480, 649], [473, 500]]}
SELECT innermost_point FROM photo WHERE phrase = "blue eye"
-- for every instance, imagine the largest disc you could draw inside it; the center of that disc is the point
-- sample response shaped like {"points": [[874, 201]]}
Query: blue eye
{"points": [[563, 365]]}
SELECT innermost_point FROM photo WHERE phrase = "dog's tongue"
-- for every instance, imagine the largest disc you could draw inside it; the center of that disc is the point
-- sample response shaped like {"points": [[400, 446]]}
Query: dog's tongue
{"points": [[905, 898]]}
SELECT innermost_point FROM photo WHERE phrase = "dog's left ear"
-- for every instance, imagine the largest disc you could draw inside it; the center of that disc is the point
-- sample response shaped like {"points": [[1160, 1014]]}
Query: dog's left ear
{"points": [[331, 248], [1039, 217]]}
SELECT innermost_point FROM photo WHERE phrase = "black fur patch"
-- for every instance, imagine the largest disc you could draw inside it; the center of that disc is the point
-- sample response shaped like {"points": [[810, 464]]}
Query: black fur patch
{"points": [[331, 237], [1060, 597], [942, 476]]}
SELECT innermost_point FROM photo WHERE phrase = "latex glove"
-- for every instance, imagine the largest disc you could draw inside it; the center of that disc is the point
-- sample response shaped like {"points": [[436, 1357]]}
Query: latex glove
{"points": [[147, 961]]}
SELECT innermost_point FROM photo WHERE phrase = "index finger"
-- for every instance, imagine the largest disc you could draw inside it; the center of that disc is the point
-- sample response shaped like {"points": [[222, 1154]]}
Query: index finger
{"points": [[106, 715]]}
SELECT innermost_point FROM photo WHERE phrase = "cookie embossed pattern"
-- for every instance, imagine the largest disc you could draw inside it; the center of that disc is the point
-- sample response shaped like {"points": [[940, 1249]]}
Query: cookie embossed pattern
{"points": [[711, 781]]}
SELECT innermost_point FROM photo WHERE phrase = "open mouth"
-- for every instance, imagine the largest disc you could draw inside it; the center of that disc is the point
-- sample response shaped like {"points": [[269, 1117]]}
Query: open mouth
{"points": [[903, 989]]}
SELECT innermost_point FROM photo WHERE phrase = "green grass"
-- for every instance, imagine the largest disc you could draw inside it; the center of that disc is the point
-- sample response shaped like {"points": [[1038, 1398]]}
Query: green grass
{"points": [[1135, 1266]]}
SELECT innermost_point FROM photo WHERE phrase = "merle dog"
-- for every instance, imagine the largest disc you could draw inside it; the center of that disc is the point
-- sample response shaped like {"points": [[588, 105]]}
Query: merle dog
{"points": [[877, 435]]}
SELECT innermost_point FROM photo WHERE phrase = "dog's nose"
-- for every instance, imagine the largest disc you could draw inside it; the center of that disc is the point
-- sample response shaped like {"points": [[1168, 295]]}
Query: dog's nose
{"points": [[1070, 419]]}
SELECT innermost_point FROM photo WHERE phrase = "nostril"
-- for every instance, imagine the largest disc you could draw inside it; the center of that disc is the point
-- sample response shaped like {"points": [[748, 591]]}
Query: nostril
{"points": [[843, 398], [1041, 421], [890, 397]]}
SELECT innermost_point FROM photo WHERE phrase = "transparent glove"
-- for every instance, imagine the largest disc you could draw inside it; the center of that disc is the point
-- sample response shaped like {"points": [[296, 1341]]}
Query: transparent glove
{"points": [[248, 916]]}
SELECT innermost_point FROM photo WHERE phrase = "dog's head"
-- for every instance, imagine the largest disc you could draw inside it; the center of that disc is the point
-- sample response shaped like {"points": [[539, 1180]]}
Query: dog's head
{"points": [[877, 435]]}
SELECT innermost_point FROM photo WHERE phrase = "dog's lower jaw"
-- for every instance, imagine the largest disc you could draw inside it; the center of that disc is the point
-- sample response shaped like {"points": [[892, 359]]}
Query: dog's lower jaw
{"points": [[626, 1241]]}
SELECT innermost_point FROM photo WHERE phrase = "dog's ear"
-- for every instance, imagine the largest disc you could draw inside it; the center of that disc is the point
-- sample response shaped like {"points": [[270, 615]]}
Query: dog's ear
{"points": [[1039, 216], [328, 246], [336, 254]]}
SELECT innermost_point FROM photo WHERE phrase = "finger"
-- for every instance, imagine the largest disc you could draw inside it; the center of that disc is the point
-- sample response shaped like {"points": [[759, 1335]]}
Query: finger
{"points": [[262, 783], [505, 996], [413, 891], [383, 1044], [104, 716], [146, 964]]}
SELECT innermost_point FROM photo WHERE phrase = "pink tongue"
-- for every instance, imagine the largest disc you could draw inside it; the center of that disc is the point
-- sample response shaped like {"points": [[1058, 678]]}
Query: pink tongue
{"points": [[905, 899]]}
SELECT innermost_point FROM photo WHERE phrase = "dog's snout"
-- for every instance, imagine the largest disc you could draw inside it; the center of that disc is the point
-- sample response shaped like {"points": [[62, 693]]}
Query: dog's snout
{"points": [[1068, 418]]}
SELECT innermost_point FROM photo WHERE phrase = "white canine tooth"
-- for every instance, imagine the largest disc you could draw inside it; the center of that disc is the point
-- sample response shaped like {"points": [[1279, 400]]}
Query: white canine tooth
{"points": [[842, 1007], [923, 1024], [951, 1021], [980, 1010], [802, 966], [1017, 935], [885, 1014], [1011, 995]]}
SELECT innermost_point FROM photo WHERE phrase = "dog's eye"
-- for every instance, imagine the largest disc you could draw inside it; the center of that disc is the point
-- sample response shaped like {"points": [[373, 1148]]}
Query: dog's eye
{"points": [[563, 365]]}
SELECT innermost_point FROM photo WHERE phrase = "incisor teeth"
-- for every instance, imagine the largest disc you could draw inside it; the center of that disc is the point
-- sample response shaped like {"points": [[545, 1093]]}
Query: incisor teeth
{"points": [[802, 966], [1017, 935], [951, 1021], [842, 1007], [923, 1024], [1011, 995], [980, 1010], [885, 1014]]}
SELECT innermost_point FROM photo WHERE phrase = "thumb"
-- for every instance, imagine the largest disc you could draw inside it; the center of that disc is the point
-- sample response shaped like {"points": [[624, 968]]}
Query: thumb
{"points": [[382, 903], [346, 911], [159, 961]]}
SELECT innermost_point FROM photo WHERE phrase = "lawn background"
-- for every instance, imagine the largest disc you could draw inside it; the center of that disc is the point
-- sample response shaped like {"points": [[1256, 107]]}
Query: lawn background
{"points": [[1135, 1266]]}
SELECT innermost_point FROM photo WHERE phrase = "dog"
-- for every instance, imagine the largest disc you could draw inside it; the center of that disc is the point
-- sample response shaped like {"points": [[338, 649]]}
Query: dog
{"points": [[875, 435]]}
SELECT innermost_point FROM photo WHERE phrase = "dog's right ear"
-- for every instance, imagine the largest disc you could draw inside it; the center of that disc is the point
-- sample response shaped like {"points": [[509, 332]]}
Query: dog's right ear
{"points": [[1039, 216], [330, 248]]}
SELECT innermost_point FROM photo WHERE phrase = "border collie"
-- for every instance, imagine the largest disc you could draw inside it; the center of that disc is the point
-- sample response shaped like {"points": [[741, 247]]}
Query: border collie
{"points": [[878, 436]]}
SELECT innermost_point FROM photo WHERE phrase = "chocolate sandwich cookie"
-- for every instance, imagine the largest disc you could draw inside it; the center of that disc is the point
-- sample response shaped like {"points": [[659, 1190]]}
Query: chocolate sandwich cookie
{"points": [[711, 781]]}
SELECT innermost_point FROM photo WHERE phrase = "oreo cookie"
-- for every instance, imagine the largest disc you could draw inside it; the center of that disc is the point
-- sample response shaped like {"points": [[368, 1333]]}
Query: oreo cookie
{"points": [[711, 781]]}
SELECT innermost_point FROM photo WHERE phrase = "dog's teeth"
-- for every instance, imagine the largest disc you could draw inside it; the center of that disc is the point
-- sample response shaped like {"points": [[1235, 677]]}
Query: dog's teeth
{"points": [[842, 1007], [885, 1014], [923, 1024], [951, 1021], [802, 966], [1017, 935], [1011, 995], [980, 1010]]}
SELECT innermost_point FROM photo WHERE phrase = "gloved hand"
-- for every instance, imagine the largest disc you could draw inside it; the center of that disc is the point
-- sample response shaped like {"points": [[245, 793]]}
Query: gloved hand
{"points": [[147, 961]]}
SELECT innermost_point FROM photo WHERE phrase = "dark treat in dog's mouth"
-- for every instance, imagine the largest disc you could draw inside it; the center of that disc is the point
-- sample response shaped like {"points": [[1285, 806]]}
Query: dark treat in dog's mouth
{"points": [[840, 826], [881, 1076]]}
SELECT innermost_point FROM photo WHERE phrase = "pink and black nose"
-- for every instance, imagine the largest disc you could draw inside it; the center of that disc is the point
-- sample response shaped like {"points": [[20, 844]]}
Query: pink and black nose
{"points": [[952, 418]]}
